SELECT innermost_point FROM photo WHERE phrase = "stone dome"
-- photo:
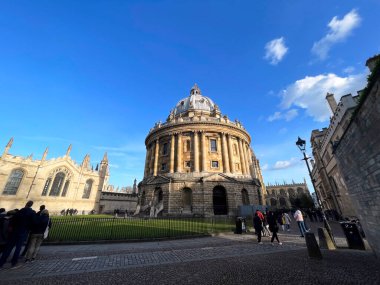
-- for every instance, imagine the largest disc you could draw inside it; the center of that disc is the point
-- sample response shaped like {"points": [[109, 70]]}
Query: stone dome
{"points": [[196, 101]]}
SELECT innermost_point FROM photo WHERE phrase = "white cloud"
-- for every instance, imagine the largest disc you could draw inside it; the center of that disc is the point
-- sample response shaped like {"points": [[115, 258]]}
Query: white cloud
{"points": [[349, 69], [282, 164], [275, 50], [309, 93], [339, 30], [287, 116]]}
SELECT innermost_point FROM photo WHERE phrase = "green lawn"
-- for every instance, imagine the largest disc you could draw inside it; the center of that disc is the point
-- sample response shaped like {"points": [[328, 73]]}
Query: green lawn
{"points": [[104, 227]]}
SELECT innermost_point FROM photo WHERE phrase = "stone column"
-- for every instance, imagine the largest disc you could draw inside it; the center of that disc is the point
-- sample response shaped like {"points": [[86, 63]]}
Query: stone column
{"points": [[151, 155], [230, 154], [156, 151], [196, 152], [204, 151], [147, 160], [226, 162], [179, 152], [172, 147], [244, 146], [242, 164]]}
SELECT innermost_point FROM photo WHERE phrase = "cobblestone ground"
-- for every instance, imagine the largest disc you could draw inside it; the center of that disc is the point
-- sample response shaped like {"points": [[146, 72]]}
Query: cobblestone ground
{"points": [[224, 259]]}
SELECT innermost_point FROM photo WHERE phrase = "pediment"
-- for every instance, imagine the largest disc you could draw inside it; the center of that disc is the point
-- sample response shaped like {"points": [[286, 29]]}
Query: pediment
{"points": [[219, 177], [157, 180]]}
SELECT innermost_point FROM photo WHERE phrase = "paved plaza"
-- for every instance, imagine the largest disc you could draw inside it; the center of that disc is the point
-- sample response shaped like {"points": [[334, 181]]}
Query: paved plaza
{"points": [[222, 259]]}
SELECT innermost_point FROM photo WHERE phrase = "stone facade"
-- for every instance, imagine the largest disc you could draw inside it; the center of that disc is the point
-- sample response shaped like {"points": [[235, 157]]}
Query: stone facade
{"points": [[328, 181], [199, 162], [58, 183], [111, 201], [279, 196], [358, 157]]}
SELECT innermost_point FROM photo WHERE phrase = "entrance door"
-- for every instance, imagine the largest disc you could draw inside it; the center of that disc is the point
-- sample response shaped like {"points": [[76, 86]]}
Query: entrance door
{"points": [[219, 199]]}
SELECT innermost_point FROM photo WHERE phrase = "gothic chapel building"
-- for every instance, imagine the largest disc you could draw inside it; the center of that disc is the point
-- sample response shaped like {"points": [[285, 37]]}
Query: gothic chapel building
{"points": [[199, 163], [58, 183]]}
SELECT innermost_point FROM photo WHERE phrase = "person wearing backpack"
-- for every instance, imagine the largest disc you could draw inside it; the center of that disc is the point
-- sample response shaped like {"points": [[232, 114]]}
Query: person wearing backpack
{"points": [[41, 223]]}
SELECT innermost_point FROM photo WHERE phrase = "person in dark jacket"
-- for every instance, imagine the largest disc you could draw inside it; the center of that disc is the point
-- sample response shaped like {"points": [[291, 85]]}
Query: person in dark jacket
{"points": [[42, 207], [21, 224], [258, 225], [273, 227], [40, 223]]}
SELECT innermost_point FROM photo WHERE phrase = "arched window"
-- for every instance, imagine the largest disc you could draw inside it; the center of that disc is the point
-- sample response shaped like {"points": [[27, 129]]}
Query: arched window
{"points": [[87, 189], [46, 187], [282, 192], [57, 184], [13, 182], [244, 197], [65, 188]]}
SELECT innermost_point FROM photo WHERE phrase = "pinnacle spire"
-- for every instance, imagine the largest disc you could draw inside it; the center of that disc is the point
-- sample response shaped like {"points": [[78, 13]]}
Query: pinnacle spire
{"points": [[105, 157], [69, 150]]}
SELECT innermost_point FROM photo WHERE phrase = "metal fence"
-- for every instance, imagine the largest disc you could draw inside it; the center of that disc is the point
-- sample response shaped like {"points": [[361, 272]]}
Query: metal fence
{"points": [[74, 229]]}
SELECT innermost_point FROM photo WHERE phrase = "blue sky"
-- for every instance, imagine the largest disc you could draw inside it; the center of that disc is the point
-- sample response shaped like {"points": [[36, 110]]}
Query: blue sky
{"points": [[99, 74]]}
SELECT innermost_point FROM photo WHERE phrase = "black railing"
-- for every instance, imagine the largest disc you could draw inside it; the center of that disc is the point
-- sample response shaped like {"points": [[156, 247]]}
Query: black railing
{"points": [[72, 229]]}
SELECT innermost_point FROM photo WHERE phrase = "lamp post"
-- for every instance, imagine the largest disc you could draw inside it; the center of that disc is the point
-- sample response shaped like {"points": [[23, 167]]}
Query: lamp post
{"points": [[302, 146]]}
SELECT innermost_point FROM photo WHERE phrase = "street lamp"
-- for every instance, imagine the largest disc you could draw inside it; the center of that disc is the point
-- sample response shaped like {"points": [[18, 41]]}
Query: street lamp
{"points": [[302, 146]]}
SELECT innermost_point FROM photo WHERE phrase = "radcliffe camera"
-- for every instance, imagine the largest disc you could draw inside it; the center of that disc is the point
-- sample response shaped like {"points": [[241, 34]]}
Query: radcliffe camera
{"points": [[189, 142]]}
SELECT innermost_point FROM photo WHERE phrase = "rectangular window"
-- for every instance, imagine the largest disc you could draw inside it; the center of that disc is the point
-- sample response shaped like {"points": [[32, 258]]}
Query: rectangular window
{"points": [[213, 147], [187, 145], [165, 149], [188, 164], [163, 166], [215, 164]]}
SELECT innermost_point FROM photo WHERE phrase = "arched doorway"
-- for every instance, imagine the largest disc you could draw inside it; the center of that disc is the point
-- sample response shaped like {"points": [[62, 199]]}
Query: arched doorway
{"points": [[158, 196], [187, 200], [219, 200]]}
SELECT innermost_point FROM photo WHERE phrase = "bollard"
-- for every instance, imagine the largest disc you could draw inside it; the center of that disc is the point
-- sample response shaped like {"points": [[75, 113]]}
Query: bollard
{"points": [[312, 246], [325, 241]]}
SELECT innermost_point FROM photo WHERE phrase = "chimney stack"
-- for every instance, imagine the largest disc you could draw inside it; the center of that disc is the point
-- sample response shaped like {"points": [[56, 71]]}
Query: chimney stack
{"points": [[331, 100]]}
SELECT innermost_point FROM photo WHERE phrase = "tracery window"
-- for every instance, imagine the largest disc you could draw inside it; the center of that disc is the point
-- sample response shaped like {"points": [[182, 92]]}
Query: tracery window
{"points": [[46, 187], [65, 188], [57, 184], [13, 182], [87, 189]]}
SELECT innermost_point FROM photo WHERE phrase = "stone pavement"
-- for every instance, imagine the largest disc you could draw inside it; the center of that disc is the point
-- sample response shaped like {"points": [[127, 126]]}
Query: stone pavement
{"points": [[225, 259]]}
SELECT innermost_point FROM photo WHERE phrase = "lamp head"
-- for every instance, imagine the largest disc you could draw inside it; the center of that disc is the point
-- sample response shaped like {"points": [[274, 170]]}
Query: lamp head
{"points": [[301, 144]]}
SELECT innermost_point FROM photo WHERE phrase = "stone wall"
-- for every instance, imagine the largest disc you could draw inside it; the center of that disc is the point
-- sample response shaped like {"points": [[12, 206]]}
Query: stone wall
{"points": [[358, 156], [110, 201]]}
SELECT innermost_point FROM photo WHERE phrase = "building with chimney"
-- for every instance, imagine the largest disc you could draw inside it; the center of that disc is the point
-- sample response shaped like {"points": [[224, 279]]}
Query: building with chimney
{"points": [[328, 181], [358, 156]]}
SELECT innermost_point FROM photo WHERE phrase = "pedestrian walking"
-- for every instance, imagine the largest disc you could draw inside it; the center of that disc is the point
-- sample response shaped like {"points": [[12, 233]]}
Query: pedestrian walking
{"points": [[258, 225], [41, 225], [21, 224], [301, 225], [273, 227], [288, 220]]}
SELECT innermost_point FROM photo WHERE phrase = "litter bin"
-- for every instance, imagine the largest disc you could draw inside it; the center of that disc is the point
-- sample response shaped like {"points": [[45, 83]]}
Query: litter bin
{"points": [[239, 224], [353, 236]]}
